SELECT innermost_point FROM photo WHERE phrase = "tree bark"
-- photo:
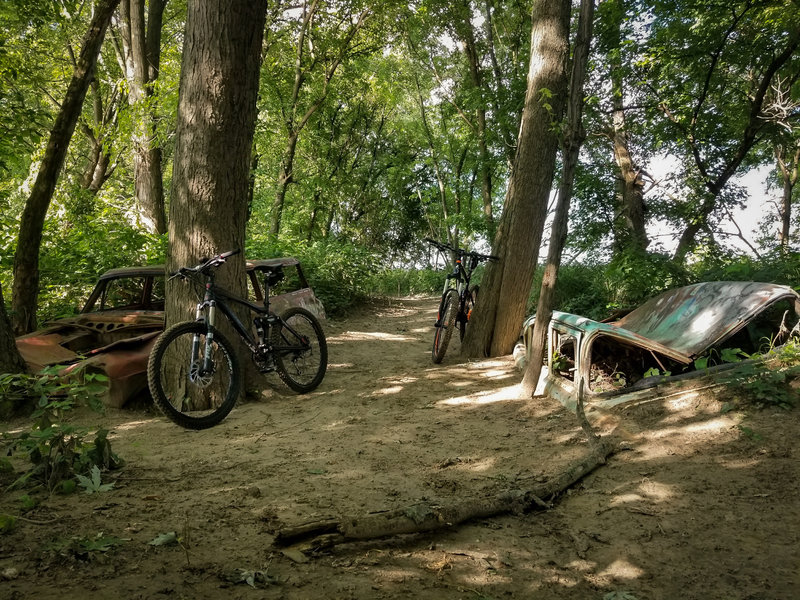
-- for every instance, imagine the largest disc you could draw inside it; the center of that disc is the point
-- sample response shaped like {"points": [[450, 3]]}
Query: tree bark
{"points": [[494, 327], [26, 259], [575, 135], [10, 360], [630, 185], [216, 123], [98, 168], [467, 35]]}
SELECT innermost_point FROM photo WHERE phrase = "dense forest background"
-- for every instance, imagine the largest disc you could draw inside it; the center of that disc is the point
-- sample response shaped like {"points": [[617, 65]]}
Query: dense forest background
{"points": [[381, 124]]}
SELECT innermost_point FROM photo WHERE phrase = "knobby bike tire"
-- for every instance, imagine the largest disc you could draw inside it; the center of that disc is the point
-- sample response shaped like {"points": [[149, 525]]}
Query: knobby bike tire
{"points": [[469, 304], [448, 309], [300, 369], [186, 399]]}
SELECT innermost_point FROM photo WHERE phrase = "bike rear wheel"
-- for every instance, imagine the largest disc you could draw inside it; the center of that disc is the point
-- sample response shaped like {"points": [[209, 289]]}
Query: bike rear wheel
{"points": [[187, 394], [301, 350], [448, 309]]}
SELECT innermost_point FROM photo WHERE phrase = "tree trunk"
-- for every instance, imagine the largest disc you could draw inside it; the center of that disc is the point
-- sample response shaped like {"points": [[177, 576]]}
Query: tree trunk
{"points": [[216, 122], [141, 42], [632, 230], [98, 168], [575, 135], [494, 327], [26, 259], [284, 179], [10, 360], [789, 173], [471, 51]]}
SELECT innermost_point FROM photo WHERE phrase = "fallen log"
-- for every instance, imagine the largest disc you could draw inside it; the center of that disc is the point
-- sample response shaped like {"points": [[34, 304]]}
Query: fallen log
{"points": [[426, 517]]}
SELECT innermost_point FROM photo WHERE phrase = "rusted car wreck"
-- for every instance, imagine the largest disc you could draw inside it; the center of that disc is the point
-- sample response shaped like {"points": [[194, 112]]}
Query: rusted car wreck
{"points": [[117, 326], [678, 341]]}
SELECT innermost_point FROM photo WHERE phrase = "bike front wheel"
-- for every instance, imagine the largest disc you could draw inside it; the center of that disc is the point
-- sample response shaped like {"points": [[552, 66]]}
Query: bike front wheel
{"points": [[184, 389], [301, 350], [448, 309]]}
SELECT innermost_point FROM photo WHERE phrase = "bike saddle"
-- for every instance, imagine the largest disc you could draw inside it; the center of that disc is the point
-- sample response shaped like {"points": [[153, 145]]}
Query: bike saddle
{"points": [[273, 275]]}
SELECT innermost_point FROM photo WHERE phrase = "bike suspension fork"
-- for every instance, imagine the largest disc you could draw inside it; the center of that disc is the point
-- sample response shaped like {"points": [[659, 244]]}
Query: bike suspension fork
{"points": [[211, 320]]}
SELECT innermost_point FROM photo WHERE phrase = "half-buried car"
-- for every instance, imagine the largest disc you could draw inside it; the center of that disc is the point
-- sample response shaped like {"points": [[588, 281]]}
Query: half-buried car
{"points": [[679, 341]]}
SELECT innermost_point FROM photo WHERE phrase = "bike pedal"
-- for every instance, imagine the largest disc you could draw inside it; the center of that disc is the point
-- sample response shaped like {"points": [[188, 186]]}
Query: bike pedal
{"points": [[437, 324]]}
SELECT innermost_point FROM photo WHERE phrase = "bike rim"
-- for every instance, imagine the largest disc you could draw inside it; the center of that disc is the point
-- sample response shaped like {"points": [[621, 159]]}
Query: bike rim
{"points": [[190, 389], [302, 360]]}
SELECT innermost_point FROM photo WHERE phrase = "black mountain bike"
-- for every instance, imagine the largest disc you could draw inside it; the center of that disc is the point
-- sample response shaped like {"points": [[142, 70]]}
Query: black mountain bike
{"points": [[458, 298], [193, 371]]}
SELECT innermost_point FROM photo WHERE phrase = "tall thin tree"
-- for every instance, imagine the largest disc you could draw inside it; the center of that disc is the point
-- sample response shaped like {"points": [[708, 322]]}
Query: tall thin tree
{"points": [[24, 300], [495, 323], [573, 139]]}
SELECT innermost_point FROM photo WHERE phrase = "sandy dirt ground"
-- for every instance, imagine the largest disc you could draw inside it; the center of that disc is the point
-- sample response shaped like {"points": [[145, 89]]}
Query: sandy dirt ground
{"points": [[702, 504]]}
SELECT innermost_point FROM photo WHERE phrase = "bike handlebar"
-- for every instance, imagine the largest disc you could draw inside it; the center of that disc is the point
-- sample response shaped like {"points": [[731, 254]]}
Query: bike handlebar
{"points": [[460, 251], [205, 266]]}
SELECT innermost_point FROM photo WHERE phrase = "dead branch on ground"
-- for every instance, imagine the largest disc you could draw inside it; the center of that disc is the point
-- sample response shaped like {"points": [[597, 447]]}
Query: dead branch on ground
{"points": [[426, 517]]}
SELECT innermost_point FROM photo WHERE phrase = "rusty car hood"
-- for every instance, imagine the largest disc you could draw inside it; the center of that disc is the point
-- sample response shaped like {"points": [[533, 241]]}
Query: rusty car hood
{"points": [[691, 319], [48, 346]]}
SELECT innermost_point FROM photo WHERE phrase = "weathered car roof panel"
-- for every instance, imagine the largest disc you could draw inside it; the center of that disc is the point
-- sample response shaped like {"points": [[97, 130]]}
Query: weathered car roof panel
{"points": [[591, 328], [691, 319]]}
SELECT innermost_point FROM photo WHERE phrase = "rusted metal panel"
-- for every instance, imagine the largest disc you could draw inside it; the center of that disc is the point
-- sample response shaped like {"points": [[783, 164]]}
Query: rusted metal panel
{"points": [[691, 319], [43, 348]]}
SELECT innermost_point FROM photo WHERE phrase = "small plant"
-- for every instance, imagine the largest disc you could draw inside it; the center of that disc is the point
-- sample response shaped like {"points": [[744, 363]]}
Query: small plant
{"points": [[766, 382], [655, 372], [57, 450], [50, 390], [93, 484]]}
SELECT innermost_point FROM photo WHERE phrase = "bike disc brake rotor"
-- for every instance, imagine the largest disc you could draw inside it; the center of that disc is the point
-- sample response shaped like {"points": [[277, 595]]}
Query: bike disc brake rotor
{"points": [[198, 376]]}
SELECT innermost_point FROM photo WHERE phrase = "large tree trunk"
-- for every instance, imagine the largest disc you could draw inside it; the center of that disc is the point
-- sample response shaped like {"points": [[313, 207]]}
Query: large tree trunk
{"points": [[26, 259], [574, 137], [10, 360], [494, 327], [141, 43], [216, 122]]}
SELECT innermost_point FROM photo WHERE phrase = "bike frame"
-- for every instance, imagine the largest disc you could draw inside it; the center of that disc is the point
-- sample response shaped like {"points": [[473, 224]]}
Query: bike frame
{"points": [[462, 277], [216, 297]]}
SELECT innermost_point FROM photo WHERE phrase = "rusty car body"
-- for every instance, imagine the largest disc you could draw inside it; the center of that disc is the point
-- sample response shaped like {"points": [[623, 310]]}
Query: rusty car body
{"points": [[119, 323], [676, 342]]}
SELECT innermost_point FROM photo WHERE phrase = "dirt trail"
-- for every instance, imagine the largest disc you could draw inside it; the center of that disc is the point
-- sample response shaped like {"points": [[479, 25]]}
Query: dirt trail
{"points": [[704, 504]]}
